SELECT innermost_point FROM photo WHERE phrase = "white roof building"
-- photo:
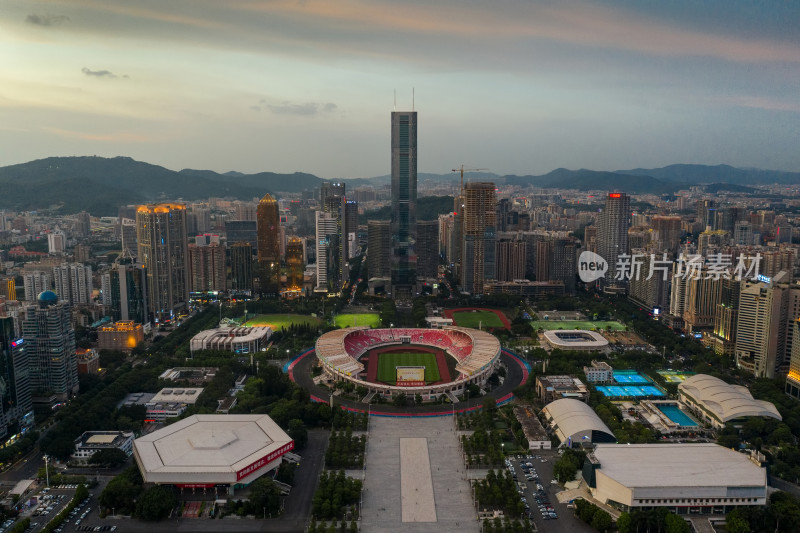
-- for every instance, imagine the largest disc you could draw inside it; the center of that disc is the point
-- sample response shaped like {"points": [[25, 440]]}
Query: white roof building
{"points": [[682, 477], [238, 340], [212, 451], [574, 422], [575, 339], [717, 402]]}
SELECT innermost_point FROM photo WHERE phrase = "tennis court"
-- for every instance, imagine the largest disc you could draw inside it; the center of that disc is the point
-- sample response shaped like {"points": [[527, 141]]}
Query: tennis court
{"points": [[673, 376], [630, 391], [629, 376]]}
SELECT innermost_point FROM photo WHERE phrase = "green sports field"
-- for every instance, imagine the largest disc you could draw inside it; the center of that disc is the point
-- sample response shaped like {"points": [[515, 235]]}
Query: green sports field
{"points": [[577, 324], [276, 322], [469, 319], [388, 363], [357, 319]]}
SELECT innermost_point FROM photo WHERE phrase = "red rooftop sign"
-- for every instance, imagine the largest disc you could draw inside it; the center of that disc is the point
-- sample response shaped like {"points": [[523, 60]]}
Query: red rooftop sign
{"points": [[252, 467]]}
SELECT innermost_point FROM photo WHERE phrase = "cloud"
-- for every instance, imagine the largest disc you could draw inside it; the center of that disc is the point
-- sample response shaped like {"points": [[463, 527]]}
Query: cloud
{"points": [[100, 73], [306, 109], [46, 20], [114, 137]]}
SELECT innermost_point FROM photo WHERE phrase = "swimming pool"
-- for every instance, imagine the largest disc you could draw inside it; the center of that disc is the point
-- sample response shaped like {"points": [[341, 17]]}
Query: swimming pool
{"points": [[615, 391], [674, 413]]}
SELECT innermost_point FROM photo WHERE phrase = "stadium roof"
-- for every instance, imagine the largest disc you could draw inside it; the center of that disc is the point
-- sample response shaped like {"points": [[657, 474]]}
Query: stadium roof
{"points": [[211, 449], [724, 401], [575, 339], [677, 465], [573, 417]]}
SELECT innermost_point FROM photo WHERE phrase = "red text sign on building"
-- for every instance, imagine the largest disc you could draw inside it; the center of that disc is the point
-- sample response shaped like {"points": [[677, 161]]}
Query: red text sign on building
{"points": [[252, 467]]}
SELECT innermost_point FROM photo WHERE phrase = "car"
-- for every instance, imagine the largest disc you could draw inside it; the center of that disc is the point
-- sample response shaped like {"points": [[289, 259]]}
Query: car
{"points": [[78, 522]]}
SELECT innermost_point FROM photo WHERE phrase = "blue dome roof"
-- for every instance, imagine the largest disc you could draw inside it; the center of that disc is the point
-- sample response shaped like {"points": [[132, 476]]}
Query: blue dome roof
{"points": [[48, 298]]}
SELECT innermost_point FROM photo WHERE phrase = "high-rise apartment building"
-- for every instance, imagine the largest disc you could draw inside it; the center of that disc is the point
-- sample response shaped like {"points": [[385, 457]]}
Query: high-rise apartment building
{"points": [[241, 266], [793, 378], [8, 288], [50, 339], [667, 232], [329, 255], [564, 262], [16, 406], [511, 259], [612, 233], [404, 201], [379, 249], [73, 283], [56, 243], [350, 228], [164, 253], [650, 288], [35, 283], [478, 261], [726, 316], [269, 244], [207, 267], [427, 249]]}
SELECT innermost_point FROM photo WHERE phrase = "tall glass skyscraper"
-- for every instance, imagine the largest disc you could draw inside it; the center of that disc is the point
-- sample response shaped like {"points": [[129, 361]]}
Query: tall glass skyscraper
{"points": [[404, 200], [269, 244]]}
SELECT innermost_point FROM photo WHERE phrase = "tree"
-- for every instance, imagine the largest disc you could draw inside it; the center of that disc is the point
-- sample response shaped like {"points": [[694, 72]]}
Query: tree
{"points": [[109, 457], [601, 520], [733, 524], [676, 524], [298, 432], [624, 523], [400, 400], [156, 503], [265, 497]]}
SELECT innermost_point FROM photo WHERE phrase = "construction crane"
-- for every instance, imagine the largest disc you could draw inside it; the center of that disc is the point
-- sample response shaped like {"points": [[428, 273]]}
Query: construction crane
{"points": [[462, 169]]}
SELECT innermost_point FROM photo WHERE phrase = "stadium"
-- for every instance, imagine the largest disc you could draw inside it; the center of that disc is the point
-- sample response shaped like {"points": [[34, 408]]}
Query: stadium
{"points": [[428, 362], [575, 339]]}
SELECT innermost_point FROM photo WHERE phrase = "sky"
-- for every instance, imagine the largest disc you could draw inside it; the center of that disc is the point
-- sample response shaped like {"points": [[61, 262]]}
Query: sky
{"points": [[512, 86]]}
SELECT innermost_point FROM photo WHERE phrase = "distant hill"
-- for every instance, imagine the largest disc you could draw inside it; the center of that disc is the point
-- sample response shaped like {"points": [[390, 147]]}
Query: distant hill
{"points": [[696, 174], [588, 180]]}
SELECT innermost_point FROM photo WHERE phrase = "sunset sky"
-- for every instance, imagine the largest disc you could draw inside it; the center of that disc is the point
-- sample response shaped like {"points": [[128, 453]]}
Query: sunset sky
{"points": [[514, 86]]}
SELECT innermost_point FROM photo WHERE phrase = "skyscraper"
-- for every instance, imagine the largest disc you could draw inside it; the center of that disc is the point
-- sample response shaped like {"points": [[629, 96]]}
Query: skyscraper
{"points": [[50, 340], [73, 283], [241, 266], [269, 244], [428, 249], [129, 294], [329, 268], [207, 267], [34, 283], [404, 199], [295, 263], [379, 251], [163, 251], [478, 261], [15, 395], [612, 232]]}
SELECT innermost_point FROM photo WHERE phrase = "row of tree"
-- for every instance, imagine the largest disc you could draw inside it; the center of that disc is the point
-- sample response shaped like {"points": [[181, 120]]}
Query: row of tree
{"points": [[345, 450], [593, 515], [498, 491], [337, 495]]}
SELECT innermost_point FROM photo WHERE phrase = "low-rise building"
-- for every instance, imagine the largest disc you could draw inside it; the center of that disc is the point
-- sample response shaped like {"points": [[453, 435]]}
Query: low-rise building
{"points": [[170, 403], [92, 442], [88, 361], [239, 340], [717, 403], [122, 336], [551, 388], [534, 431], [599, 372], [576, 424]]}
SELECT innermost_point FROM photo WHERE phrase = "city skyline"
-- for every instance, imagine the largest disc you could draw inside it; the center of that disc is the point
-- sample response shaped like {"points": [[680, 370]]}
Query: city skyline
{"points": [[520, 88]]}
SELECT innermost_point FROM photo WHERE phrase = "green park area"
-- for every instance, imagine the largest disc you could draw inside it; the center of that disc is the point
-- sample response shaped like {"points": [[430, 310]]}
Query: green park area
{"points": [[578, 324], [278, 321], [388, 363], [473, 319], [357, 319]]}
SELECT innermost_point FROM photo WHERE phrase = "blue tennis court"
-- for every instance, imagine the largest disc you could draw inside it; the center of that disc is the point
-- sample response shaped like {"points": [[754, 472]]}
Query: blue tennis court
{"points": [[628, 376], [629, 391]]}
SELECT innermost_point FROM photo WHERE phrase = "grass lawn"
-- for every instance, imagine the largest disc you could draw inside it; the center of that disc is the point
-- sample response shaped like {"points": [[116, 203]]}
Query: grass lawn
{"points": [[470, 319], [357, 319], [577, 324], [276, 322], [387, 363]]}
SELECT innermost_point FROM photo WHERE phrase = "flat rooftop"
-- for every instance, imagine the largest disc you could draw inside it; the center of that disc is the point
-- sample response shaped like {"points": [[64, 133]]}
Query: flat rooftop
{"points": [[678, 465]]}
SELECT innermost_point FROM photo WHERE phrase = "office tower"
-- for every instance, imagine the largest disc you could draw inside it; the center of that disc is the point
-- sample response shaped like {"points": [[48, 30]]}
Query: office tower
{"points": [[164, 253], [404, 201], [793, 378], [564, 262], [428, 249], [726, 316], [129, 293], [350, 228], [743, 233], [207, 267], [269, 247], [335, 233], [511, 259], [241, 266], [667, 232], [128, 235], [707, 214], [612, 233], [329, 268], [242, 231], [379, 249], [457, 235], [764, 332], [478, 262], [16, 406], [331, 193], [55, 243], [36, 282], [295, 263], [73, 283], [50, 341]]}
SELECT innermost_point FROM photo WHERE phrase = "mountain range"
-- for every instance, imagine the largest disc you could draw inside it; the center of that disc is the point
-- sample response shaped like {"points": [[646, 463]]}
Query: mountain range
{"points": [[100, 185]]}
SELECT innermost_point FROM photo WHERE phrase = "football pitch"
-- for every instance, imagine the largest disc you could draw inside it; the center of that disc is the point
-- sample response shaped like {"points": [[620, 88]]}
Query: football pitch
{"points": [[357, 319], [577, 324], [388, 363], [470, 319], [278, 321]]}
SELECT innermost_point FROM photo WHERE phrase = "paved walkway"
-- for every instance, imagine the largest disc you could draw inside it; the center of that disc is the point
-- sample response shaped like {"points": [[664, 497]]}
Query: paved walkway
{"points": [[383, 508]]}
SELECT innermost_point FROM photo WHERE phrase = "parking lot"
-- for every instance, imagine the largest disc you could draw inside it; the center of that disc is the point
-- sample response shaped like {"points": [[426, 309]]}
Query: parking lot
{"points": [[535, 484]]}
